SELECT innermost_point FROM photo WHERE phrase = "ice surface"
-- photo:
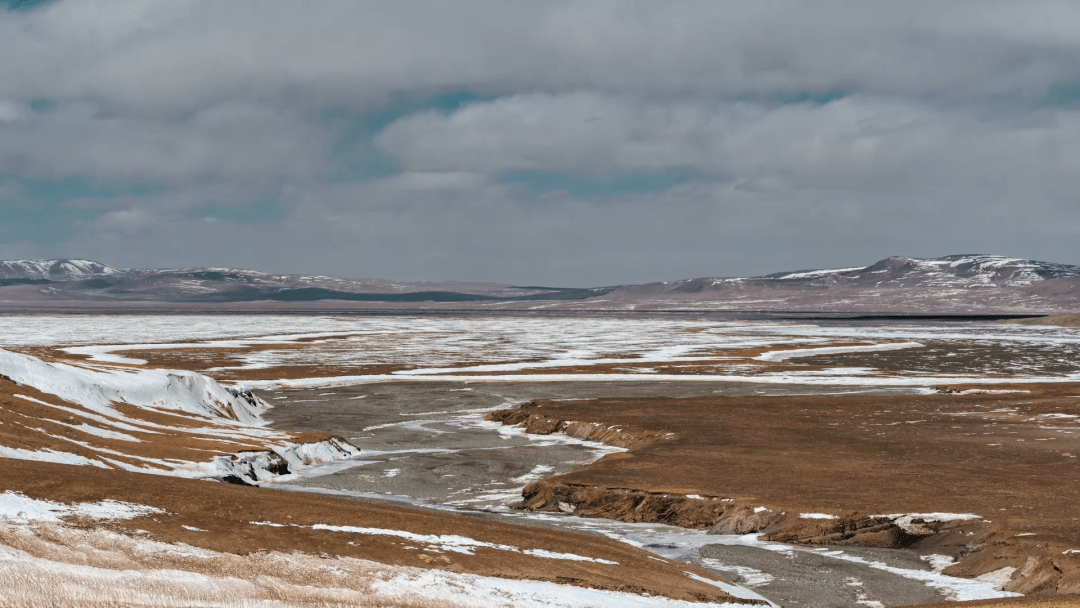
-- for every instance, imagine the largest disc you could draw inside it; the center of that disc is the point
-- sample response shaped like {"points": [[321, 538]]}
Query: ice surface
{"points": [[680, 544], [959, 589], [749, 577], [734, 590]]}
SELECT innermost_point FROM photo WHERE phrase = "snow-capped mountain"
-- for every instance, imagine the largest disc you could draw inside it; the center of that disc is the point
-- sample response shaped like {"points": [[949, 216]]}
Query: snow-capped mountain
{"points": [[985, 284], [970, 270], [53, 270], [86, 280], [949, 272], [956, 284]]}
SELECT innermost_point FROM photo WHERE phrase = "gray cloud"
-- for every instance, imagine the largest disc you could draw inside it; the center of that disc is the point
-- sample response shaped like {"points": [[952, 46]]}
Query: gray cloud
{"points": [[701, 228], [854, 143], [943, 140], [227, 140], [186, 54]]}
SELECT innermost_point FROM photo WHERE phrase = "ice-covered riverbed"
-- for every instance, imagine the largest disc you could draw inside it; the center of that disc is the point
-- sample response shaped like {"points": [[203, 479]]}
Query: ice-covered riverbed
{"points": [[426, 443], [425, 440]]}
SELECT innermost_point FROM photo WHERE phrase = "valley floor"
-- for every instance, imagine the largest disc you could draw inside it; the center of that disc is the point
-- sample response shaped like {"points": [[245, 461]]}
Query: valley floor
{"points": [[956, 442]]}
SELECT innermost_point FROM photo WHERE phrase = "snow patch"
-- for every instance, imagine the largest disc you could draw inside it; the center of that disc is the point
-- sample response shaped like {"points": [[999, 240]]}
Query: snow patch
{"points": [[998, 578], [784, 355], [443, 542], [48, 455], [734, 590], [97, 390], [911, 522], [747, 576], [938, 562], [19, 508]]}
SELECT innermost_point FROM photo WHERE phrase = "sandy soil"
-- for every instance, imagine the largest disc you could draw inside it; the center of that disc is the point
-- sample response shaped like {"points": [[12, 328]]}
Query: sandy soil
{"points": [[1008, 458]]}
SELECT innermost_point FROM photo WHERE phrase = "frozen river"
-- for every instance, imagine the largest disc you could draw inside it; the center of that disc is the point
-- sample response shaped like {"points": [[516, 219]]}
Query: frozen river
{"points": [[427, 444], [425, 441]]}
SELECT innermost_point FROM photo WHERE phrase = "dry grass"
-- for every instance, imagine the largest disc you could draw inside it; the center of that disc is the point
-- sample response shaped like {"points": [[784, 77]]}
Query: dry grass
{"points": [[199, 518], [1010, 458], [60, 566], [1065, 320]]}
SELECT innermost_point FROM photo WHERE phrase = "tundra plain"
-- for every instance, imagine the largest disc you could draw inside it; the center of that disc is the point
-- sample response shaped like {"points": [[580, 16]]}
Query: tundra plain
{"points": [[656, 459]]}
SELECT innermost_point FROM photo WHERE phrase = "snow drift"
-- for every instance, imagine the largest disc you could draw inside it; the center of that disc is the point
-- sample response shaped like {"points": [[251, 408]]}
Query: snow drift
{"points": [[212, 417]]}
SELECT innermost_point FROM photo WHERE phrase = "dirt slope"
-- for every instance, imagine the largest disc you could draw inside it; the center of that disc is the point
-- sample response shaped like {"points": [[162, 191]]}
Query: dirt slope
{"points": [[234, 519], [1009, 458]]}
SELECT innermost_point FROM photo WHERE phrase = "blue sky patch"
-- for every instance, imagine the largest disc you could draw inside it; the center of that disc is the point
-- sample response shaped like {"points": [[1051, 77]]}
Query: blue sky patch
{"points": [[815, 98], [23, 5], [44, 213], [354, 154], [1064, 94]]}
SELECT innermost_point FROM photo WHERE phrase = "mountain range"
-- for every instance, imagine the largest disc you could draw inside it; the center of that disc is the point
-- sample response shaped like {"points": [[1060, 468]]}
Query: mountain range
{"points": [[955, 284]]}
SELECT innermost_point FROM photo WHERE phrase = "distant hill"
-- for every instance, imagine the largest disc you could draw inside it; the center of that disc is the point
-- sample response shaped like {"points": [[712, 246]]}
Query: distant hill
{"points": [[955, 284], [52, 270], [93, 281]]}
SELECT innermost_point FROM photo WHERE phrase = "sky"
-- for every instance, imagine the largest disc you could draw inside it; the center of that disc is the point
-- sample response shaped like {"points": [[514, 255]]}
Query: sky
{"points": [[562, 142]]}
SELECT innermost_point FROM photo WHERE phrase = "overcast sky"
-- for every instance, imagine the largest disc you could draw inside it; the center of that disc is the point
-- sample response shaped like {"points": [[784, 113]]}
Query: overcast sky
{"points": [[565, 143]]}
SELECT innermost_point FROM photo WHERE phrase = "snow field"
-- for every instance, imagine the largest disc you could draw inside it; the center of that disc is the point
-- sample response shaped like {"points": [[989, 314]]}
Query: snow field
{"points": [[226, 415], [97, 390], [509, 344]]}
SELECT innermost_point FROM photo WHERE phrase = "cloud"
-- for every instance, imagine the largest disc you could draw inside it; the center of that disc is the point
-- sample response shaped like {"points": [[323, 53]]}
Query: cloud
{"points": [[436, 181], [126, 221], [10, 112], [169, 55], [790, 135], [228, 140], [856, 142], [183, 199], [698, 228]]}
